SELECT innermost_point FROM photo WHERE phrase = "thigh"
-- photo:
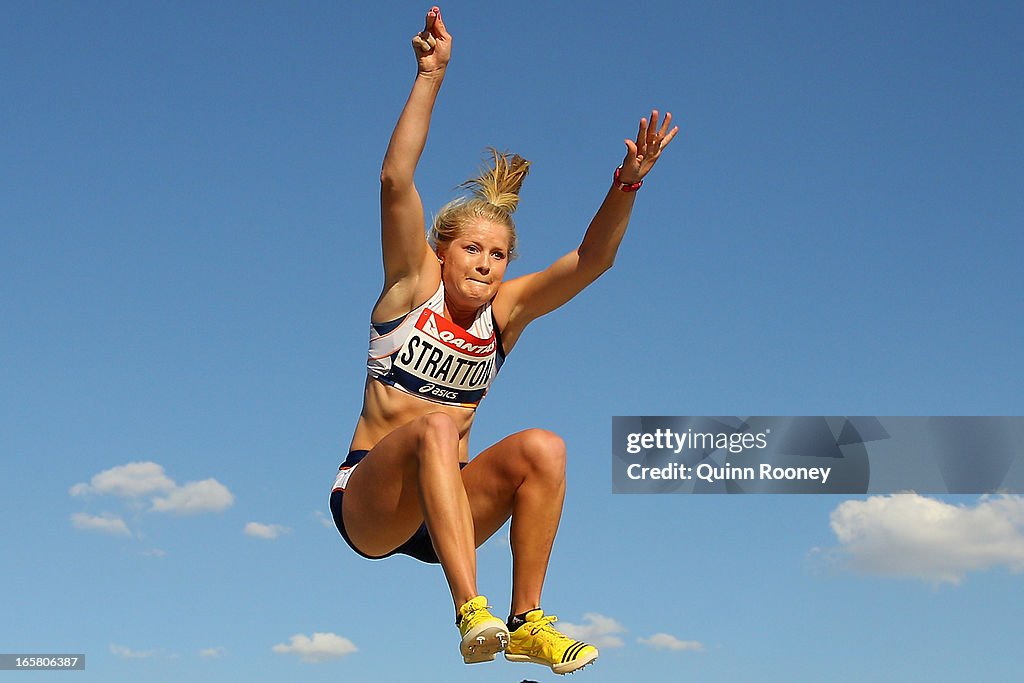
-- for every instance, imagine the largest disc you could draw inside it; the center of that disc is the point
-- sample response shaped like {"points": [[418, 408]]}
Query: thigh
{"points": [[381, 506], [492, 478]]}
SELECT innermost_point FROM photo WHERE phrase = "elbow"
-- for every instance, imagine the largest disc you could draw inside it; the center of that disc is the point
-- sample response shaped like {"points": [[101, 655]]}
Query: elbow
{"points": [[388, 181], [595, 265], [392, 178], [596, 261]]}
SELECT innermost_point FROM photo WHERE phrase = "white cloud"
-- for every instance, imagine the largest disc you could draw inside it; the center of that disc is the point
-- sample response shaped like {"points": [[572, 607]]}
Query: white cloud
{"points": [[320, 648], [106, 523], [194, 498], [129, 481], [664, 641], [138, 479], [598, 630], [212, 652], [907, 535], [128, 653], [325, 520], [267, 531]]}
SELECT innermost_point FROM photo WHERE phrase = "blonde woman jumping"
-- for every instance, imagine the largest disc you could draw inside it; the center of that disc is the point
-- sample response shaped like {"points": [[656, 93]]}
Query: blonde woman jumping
{"points": [[445, 320]]}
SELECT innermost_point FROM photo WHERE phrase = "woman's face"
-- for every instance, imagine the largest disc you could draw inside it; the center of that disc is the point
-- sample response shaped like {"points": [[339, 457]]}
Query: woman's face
{"points": [[473, 264]]}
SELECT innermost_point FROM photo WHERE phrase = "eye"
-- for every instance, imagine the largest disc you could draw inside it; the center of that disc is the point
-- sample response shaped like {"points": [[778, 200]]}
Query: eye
{"points": [[500, 255], [472, 248]]}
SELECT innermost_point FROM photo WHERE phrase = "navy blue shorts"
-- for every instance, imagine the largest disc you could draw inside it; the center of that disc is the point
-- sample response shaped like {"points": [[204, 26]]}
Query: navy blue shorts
{"points": [[418, 546]]}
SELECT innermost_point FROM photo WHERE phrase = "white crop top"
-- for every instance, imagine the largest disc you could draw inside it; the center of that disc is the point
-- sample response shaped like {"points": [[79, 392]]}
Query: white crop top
{"points": [[425, 354]]}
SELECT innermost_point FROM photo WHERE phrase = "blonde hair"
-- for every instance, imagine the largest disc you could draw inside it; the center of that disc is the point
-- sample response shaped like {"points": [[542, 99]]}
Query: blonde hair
{"points": [[494, 197]]}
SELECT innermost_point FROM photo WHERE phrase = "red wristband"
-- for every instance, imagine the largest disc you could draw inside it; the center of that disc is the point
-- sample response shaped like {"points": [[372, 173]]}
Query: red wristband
{"points": [[626, 187]]}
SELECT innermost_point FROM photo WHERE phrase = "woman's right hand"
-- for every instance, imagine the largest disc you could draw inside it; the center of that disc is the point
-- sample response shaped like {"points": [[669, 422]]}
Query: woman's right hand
{"points": [[433, 45]]}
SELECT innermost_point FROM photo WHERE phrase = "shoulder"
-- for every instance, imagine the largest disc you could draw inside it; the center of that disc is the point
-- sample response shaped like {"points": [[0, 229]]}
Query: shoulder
{"points": [[507, 310], [402, 296]]}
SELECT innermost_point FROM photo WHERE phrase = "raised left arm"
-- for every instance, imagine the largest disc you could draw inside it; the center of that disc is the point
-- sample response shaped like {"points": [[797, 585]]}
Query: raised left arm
{"points": [[527, 298]]}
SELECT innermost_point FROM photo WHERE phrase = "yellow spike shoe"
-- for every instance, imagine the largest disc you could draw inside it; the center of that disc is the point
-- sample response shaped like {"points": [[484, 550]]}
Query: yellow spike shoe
{"points": [[539, 642], [483, 634]]}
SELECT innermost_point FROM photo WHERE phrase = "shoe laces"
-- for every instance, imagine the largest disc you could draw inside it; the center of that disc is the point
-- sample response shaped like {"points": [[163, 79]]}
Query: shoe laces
{"points": [[473, 611], [544, 625], [476, 608]]}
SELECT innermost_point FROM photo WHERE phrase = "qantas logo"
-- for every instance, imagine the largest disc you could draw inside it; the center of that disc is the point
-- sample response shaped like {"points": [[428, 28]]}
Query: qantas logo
{"points": [[430, 325], [449, 334], [462, 344]]}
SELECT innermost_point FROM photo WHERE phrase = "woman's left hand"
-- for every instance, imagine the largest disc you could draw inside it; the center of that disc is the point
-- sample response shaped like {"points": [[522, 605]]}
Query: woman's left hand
{"points": [[650, 142]]}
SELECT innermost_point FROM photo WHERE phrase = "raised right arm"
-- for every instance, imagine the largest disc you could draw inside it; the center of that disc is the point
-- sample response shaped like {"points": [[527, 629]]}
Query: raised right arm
{"points": [[405, 249]]}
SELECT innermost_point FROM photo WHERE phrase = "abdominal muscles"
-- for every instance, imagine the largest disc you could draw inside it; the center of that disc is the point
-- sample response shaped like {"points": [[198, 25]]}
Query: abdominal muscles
{"points": [[386, 408]]}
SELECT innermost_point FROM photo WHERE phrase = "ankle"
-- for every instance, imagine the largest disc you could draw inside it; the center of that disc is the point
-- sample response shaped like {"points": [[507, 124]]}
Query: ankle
{"points": [[517, 620]]}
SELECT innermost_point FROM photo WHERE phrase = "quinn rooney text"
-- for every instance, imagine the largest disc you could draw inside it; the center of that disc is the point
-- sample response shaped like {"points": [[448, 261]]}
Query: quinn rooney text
{"points": [[712, 473]]}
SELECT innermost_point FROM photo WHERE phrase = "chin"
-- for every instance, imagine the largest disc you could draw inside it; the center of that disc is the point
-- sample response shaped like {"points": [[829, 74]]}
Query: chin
{"points": [[481, 298]]}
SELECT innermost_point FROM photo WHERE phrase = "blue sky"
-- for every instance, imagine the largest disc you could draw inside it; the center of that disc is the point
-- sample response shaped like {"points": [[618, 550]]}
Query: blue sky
{"points": [[189, 215]]}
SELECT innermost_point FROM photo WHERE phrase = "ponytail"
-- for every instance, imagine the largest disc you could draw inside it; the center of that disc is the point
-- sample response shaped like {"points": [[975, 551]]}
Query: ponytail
{"points": [[494, 196]]}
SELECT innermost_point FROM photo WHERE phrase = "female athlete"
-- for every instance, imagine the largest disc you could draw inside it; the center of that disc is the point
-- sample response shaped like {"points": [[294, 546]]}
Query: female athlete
{"points": [[445, 320]]}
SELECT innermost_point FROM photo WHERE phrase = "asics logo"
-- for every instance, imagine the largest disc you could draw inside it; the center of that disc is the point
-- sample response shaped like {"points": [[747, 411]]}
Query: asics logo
{"points": [[434, 390]]}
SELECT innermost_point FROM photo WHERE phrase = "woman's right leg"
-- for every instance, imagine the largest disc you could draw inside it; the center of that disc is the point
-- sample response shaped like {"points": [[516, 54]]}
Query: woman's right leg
{"points": [[412, 475]]}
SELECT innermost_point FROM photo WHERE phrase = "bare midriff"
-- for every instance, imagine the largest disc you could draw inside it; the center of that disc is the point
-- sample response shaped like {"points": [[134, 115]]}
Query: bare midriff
{"points": [[386, 408]]}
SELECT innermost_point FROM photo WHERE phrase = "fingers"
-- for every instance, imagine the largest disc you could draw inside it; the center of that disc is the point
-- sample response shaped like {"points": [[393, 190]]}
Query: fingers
{"points": [[631, 151], [668, 138], [433, 30], [440, 28], [434, 26], [424, 41], [665, 134], [423, 45], [664, 125], [652, 138], [641, 134]]}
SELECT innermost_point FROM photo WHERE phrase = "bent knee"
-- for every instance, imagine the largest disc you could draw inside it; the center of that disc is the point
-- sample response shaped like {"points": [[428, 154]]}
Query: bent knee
{"points": [[545, 450], [437, 431], [437, 424]]}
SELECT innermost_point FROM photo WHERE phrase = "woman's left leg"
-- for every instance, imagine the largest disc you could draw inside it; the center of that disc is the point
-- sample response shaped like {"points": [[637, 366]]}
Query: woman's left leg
{"points": [[522, 477]]}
